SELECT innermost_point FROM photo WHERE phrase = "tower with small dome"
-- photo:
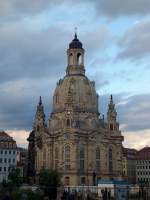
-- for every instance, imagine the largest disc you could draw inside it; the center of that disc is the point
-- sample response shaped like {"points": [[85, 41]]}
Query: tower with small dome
{"points": [[76, 140]]}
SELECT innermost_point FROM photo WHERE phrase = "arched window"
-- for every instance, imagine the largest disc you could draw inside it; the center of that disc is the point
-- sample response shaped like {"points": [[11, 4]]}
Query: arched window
{"points": [[67, 157], [97, 159], [71, 59], [81, 155], [79, 59], [111, 127], [38, 128], [110, 160]]}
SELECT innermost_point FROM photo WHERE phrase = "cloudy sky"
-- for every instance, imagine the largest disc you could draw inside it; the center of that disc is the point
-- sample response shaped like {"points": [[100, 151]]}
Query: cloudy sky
{"points": [[34, 37]]}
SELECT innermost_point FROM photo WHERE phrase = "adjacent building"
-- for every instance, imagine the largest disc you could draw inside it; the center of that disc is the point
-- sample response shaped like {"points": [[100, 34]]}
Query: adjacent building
{"points": [[8, 153], [76, 140], [129, 165], [143, 166], [22, 161]]}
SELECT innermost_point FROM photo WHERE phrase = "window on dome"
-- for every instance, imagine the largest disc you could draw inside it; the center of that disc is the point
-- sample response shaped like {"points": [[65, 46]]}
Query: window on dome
{"points": [[79, 59], [111, 127], [68, 122], [38, 128], [56, 98]]}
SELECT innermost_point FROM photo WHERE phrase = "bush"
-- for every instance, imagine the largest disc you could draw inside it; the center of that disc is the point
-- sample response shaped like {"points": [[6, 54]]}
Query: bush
{"points": [[49, 181]]}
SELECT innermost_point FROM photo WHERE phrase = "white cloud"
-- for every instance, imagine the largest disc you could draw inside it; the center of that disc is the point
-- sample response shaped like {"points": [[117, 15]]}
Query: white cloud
{"points": [[20, 136], [137, 140]]}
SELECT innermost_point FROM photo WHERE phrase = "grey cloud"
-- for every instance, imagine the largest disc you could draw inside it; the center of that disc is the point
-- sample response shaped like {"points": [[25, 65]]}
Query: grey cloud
{"points": [[118, 8], [115, 8], [19, 99], [134, 112], [134, 44], [14, 9], [100, 79], [25, 53]]}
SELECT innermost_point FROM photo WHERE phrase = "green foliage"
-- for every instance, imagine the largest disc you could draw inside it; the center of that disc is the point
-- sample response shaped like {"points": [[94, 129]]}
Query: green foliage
{"points": [[14, 177], [49, 178], [17, 194], [49, 181]]}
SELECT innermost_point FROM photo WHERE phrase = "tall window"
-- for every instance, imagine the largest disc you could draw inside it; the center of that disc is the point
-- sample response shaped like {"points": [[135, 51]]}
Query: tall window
{"points": [[67, 157], [44, 158], [71, 59], [68, 122], [81, 154], [111, 127], [79, 59], [97, 159], [56, 157], [56, 98], [110, 160]]}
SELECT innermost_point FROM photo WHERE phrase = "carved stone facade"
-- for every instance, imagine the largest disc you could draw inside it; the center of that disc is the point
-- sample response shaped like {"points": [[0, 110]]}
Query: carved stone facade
{"points": [[76, 140]]}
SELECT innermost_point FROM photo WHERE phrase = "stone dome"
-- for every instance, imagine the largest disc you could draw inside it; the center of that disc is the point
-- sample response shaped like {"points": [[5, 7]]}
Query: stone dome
{"points": [[76, 91]]}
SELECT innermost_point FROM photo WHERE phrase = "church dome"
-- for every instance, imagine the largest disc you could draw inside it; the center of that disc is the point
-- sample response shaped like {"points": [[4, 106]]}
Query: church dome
{"points": [[76, 91]]}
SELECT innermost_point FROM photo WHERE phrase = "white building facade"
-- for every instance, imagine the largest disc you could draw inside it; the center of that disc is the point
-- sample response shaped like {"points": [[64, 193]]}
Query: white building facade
{"points": [[8, 153], [143, 171]]}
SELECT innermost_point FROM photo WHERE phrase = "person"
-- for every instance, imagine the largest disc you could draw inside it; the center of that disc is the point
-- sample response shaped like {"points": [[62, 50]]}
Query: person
{"points": [[105, 194], [102, 192], [109, 194]]}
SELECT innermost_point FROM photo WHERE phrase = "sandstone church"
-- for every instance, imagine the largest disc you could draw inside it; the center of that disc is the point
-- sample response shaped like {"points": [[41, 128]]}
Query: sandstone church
{"points": [[76, 140]]}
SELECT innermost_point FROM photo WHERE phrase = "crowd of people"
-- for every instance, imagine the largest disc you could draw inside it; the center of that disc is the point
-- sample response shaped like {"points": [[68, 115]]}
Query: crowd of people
{"points": [[106, 194], [80, 195]]}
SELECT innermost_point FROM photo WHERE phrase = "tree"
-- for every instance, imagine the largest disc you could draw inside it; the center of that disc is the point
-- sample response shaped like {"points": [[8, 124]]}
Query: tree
{"points": [[49, 181], [14, 177]]}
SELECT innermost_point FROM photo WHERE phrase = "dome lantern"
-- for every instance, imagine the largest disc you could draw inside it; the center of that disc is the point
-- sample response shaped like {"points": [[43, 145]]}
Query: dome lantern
{"points": [[75, 55]]}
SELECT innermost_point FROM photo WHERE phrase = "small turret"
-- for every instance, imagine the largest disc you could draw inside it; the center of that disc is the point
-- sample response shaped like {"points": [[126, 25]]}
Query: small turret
{"points": [[113, 125], [39, 123]]}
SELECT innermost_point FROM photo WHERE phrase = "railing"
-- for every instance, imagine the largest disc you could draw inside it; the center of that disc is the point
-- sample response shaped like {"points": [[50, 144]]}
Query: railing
{"points": [[113, 192]]}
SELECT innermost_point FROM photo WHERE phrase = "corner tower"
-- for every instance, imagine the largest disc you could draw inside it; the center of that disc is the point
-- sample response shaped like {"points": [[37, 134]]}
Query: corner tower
{"points": [[113, 125], [39, 122]]}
